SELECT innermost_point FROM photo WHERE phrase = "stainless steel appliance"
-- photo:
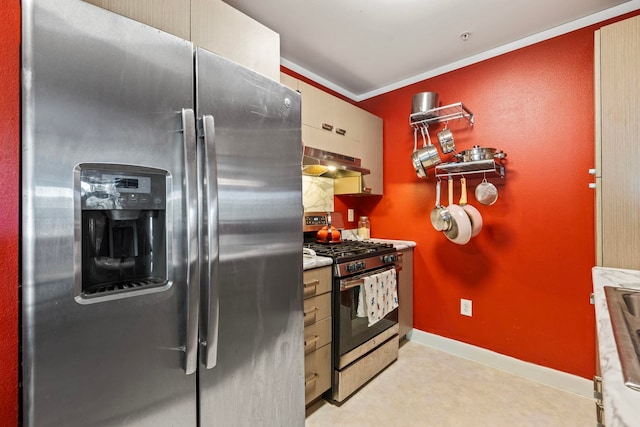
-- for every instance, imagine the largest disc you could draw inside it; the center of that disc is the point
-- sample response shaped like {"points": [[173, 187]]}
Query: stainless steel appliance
{"points": [[360, 351], [161, 262], [316, 162]]}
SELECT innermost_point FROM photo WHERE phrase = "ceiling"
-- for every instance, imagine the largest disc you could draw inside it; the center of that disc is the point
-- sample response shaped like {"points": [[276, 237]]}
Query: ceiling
{"points": [[361, 48]]}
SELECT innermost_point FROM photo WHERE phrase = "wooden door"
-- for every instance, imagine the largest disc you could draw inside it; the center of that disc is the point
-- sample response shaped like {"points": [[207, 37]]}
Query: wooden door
{"points": [[619, 112], [372, 151]]}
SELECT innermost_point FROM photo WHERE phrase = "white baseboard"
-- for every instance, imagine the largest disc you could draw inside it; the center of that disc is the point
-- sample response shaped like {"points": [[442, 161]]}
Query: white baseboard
{"points": [[551, 377]]}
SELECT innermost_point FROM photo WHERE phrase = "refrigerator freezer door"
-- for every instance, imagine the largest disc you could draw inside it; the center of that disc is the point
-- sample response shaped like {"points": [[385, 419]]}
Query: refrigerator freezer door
{"points": [[259, 374], [100, 89]]}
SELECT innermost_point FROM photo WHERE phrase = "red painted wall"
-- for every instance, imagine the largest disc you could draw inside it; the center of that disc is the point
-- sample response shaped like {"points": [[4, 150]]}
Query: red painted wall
{"points": [[9, 202], [528, 272]]}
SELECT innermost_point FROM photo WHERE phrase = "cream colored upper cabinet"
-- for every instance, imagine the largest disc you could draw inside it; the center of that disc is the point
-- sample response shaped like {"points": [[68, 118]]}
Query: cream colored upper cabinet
{"points": [[316, 107], [287, 80], [330, 123], [618, 180], [171, 16], [372, 154], [220, 28], [347, 119], [211, 24]]}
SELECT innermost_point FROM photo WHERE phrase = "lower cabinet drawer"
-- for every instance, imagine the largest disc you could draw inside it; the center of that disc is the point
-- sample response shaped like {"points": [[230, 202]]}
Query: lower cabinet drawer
{"points": [[317, 373], [317, 308], [317, 335]]}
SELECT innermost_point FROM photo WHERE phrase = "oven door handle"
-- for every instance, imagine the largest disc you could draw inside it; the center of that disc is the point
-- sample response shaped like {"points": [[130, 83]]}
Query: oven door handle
{"points": [[359, 280]]}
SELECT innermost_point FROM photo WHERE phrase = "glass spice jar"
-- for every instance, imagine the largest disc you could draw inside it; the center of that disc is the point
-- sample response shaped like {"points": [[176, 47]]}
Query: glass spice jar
{"points": [[364, 228]]}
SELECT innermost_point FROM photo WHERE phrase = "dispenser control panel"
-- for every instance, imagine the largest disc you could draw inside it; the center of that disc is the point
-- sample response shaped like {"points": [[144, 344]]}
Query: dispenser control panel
{"points": [[107, 189]]}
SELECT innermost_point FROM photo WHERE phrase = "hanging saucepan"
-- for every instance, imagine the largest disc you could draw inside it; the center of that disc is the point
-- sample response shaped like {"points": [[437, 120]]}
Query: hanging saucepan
{"points": [[460, 231], [440, 216], [427, 156], [472, 212], [445, 137], [479, 153]]}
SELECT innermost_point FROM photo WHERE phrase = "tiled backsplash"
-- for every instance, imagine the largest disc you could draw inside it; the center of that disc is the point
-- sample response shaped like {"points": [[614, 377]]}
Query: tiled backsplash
{"points": [[317, 194]]}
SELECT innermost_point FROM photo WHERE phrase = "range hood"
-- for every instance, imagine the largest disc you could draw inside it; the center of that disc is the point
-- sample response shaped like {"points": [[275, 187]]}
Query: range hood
{"points": [[316, 162]]}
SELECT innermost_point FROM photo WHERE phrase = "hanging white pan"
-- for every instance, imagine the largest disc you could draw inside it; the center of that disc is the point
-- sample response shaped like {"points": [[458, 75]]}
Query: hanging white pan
{"points": [[472, 212], [460, 231]]}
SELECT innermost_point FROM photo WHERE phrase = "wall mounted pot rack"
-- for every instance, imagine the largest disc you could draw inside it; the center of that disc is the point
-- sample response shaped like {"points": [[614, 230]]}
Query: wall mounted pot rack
{"points": [[441, 114], [468, 168], [446, 113]]}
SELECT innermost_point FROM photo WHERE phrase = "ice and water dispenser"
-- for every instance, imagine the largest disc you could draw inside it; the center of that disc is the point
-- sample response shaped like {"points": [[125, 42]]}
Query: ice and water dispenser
{"points": [[123, 229]]}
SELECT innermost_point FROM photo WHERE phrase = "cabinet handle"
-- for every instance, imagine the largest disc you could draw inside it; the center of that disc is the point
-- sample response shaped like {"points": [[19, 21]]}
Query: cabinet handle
{"points": [[310, 341], [592, 185], [327, 126], [597, 387], [312, 284], [599, 413], [340, 131], [313, 310], [592, 171], [310, 379], [312, 315]]}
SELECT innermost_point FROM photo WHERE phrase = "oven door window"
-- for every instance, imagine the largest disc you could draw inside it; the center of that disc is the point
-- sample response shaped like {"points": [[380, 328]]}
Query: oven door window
{"points": [[353, 321]]}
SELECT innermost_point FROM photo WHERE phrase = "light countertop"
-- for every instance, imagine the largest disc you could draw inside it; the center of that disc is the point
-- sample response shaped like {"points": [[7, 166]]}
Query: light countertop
{"points": [[399, 244], [309, 262], [621, 404]]}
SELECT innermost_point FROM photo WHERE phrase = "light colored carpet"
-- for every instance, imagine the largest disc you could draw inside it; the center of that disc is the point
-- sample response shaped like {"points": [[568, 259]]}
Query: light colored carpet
{"points": [[427, 387]]}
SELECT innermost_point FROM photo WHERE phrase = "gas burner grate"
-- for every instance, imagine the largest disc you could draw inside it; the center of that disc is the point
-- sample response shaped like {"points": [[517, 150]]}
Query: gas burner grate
{"points": [[350, 249]]}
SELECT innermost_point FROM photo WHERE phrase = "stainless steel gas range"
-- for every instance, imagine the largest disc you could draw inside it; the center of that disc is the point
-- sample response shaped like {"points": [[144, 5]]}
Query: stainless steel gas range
{"points": [[365, 324]]}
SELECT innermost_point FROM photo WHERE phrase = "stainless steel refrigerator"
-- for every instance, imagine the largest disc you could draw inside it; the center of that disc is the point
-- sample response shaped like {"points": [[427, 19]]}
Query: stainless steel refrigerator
{"points": [[161, 232]]}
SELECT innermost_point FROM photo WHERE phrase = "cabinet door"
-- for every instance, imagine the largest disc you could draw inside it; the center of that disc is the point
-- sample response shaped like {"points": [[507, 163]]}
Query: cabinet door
{"points": [[317, 107], [221, 29], [171, 16], [289, 81], [317, 130], [372, 152], [333, 124], [405, 292], [347, 119], [620, 143]]}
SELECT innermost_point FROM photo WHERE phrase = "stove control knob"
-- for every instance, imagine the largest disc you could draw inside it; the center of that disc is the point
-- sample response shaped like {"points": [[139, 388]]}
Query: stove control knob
{"points": [[390, 258], [362, 265], [352, 268]]}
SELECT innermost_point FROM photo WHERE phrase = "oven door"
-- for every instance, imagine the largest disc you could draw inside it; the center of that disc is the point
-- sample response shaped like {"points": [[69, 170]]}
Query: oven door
{"points": [[352, 323]]}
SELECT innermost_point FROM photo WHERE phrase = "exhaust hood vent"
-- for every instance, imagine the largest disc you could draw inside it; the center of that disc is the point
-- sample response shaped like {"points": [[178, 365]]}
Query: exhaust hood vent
{"points": [[316, 162]]}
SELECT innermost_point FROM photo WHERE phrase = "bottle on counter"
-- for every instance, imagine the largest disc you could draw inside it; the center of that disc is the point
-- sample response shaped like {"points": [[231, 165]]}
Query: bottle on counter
{"points": [[364, 228]]}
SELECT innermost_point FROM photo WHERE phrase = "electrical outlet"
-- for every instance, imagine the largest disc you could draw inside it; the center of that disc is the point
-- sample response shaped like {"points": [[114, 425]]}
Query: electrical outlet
{"points": [[465, 307], [350, 215]]}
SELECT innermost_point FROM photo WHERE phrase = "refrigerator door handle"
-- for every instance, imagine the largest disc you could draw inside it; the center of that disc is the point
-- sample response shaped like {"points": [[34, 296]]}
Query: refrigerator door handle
{"points": [[191, 194], [209, 222]]}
